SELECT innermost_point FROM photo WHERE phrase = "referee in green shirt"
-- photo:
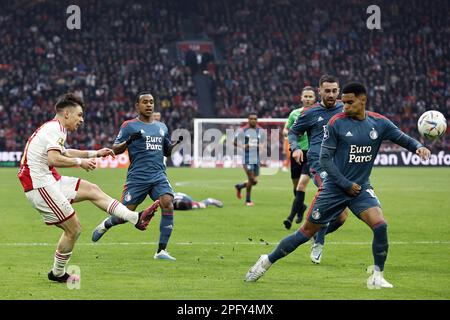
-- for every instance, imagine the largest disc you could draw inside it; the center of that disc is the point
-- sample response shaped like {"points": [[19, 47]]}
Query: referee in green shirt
{"points": [[299, 172]]}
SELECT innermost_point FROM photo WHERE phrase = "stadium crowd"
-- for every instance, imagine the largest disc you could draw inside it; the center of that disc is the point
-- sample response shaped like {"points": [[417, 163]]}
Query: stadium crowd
{"points": [[270, 48]]}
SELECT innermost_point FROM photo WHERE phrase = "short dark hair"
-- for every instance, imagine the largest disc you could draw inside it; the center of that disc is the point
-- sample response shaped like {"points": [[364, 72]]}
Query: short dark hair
{"points": [[356, 88], [145, 92], [252, 113], [308, 88], [69, 99], [328, 78]]}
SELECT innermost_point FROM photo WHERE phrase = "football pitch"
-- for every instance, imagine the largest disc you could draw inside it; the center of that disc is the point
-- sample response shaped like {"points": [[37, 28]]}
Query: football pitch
{"points": [[215, 247]]}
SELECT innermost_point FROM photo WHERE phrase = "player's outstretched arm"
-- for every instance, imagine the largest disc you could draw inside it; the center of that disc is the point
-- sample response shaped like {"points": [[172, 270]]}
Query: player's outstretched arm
{"points": [[56, 159], [74, 153], [423, 153], [170, 145], [119, 148], [393, 133]]}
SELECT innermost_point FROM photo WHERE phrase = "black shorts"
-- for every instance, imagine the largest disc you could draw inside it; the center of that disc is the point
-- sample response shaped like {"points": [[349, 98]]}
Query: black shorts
{"points": [[298, 169]]}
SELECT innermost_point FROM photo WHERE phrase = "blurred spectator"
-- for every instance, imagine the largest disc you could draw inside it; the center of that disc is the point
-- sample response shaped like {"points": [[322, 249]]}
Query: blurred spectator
{"points": [[270, 49]]}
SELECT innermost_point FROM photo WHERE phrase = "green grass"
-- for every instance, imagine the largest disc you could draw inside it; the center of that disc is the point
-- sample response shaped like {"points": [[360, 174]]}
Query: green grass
{"points": [[215, 247]]}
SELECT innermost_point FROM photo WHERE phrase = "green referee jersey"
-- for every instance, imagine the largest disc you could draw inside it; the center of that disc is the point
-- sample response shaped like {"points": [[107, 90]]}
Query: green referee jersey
{"points": [[302, 141]]}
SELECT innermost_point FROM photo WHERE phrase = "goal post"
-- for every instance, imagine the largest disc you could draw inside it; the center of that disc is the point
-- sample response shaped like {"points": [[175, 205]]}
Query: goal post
{"points": [[213, 142]]}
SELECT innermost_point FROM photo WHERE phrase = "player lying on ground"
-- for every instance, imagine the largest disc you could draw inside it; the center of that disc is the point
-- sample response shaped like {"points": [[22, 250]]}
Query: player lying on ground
{"points": [[350, 145], [52, 195], [182, 201]]}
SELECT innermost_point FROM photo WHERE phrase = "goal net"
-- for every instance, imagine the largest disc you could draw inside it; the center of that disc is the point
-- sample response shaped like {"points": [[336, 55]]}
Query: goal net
{"points": [[214, 142]]}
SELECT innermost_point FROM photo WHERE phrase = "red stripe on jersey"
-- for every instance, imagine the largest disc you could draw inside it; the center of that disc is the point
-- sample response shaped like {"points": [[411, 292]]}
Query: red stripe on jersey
{"points": [[78, 184], [376, 115], [127, 122], [316, 176], [333, 119], [313, 203], [24, 172], [55, 173], [123, 193], [25, 178]]}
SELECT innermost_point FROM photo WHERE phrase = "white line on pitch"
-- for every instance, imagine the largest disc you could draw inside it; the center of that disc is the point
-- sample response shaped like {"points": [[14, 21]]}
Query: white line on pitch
{"points": [[44, 244]]}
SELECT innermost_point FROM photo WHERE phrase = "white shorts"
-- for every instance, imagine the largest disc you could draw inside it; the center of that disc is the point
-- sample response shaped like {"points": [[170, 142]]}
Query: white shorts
{"points": [[54, 201]]}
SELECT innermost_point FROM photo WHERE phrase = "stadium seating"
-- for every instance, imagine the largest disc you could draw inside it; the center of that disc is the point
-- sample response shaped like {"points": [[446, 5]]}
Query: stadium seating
{"points": [[270, 49]]}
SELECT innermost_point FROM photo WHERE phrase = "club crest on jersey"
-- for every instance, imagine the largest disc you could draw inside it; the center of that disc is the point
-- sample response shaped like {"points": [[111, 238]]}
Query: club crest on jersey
{"points": [[127, 197], [326, 134], [161, 132], [373, 134], [61, 142], [316, 214]]}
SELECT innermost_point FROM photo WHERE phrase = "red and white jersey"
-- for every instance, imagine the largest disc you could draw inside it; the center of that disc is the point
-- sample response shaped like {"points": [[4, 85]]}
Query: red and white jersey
{"points": [[34, 169]]}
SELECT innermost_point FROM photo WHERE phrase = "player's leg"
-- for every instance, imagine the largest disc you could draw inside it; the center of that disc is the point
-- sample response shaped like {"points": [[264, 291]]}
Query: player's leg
{"points": [[319, 238], [252, 180], [165, 227], [373, 217], [91, 192], [295, 177], [300, 196], [71, 231], [108, 223], [53, 202], [211, 202], [242, 185], [132, 196], [325, 207], [286, 246], [162, 190], [301, 188], [367, 207]]}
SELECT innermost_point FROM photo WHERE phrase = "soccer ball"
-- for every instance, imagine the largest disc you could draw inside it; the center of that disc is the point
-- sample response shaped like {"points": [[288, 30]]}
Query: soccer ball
{"points": [[432, 124]]}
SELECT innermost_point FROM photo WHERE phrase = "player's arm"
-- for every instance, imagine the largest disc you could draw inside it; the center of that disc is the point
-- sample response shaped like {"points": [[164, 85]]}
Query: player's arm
{"points": [[394, 134], [298, 129], [327, 151], [74, 153], [289, 123], [54, 144], [169, 145], [285, 131], [56, 159], [124, 139]]}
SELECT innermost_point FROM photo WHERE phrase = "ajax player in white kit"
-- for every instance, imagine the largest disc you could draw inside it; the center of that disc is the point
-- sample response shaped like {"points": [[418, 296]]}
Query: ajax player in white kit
{"points": [[52, 195]]}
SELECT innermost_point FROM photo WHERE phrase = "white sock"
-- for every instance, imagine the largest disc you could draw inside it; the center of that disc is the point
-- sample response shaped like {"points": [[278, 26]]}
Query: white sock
{"points": [[119, 210], [59, 263]]}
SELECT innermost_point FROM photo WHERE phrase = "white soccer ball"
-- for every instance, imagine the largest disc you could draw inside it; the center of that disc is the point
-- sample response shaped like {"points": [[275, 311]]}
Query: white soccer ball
{"points": [[432, 124]]}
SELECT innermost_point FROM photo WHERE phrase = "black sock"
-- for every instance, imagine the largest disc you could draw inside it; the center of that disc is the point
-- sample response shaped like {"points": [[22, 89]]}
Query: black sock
{"points": [[333, 226], [380, 245], [241, 185], [299, 200]]}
